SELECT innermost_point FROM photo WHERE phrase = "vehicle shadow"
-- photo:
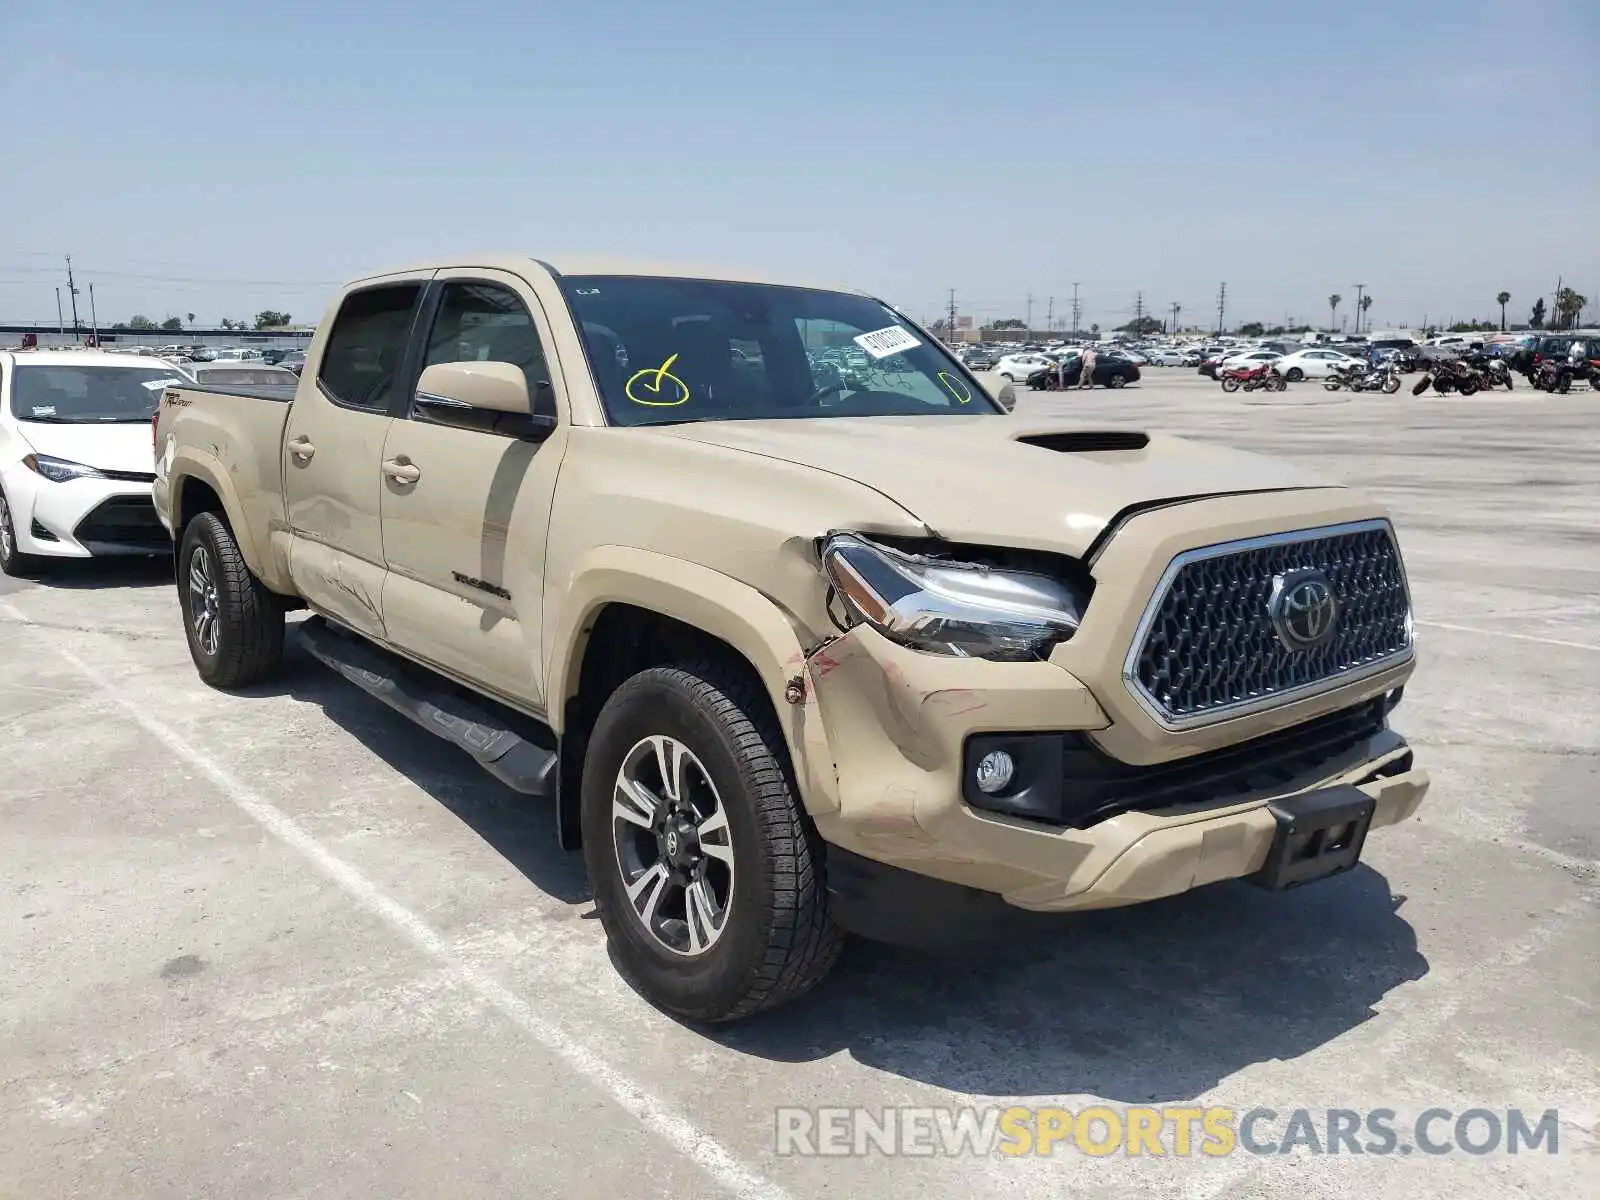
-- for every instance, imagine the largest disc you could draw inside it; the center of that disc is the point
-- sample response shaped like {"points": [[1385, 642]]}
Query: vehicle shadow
{"points": [[84, 574], [521, 829], [1153, 1003]]}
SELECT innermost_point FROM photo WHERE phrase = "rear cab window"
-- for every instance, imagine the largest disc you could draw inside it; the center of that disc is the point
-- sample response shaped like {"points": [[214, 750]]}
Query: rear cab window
{"points": [[367, 346]]}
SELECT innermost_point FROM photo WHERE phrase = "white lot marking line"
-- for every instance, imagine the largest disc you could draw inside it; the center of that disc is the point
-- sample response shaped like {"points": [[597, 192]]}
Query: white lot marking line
{"points": [[1503, 633], [651, 1111]]}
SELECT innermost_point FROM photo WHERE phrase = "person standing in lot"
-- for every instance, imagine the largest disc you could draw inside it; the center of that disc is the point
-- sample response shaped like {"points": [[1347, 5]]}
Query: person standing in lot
{"points": [[1086, 376]]}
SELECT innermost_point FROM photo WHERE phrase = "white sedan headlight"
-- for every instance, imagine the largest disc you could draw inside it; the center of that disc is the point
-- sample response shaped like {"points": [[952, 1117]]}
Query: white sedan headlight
{"points": [[948, 607], [59, 470]]}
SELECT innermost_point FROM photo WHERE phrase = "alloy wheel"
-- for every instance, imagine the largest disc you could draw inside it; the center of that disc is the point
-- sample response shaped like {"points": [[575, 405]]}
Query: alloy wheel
{"points": [[203, 603], [8, 536], [673, 845]]}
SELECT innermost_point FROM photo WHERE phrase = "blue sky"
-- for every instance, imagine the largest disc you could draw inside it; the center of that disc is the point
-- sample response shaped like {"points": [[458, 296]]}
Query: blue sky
{"points": [[217, 159]]}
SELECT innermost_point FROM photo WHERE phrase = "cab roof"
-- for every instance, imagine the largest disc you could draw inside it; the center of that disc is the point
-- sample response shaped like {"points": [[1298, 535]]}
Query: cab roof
{"points": [[591, 264]]}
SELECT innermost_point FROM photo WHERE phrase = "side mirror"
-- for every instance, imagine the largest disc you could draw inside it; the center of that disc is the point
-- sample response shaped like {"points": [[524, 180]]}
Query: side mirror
{"points": [[1003, 391], [499, 387]]}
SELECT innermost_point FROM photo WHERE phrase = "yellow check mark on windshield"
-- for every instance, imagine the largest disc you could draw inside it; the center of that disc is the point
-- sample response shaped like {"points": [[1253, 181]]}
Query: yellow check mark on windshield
{"points": [[651, 382]]}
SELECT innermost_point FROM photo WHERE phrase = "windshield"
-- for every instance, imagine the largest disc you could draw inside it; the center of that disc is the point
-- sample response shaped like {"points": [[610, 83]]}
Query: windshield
{"points": [[670, 350], [87, 395]]}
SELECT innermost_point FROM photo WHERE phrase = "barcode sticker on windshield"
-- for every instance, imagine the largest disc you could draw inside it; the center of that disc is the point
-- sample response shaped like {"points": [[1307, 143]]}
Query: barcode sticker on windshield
{"points": [[44, 410], [161, 385], [882, 343]]}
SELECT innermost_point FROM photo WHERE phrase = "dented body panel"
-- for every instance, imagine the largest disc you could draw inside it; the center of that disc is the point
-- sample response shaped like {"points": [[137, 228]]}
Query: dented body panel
{"points": [[496, 566]]}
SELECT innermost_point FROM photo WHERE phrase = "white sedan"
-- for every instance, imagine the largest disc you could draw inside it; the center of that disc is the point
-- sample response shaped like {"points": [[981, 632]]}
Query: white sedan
{"points": [[76, 461], [1169, 358], [1245, 359], [1314, 364], [1017, 367]]}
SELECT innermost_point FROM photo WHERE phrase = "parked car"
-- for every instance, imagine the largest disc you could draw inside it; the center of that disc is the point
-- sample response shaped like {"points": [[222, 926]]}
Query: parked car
{"points": [[75, 457], [979, 360], [1017, 367], [791, 661], [258, 377], [1315, 363], [1168, 358], [1244, 359], [293, 361], [1110, 370]]}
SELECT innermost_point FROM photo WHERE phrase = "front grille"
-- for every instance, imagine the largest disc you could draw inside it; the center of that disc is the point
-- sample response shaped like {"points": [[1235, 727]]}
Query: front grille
{"points": [[1207, 647], [123, 523], [130, 476]]}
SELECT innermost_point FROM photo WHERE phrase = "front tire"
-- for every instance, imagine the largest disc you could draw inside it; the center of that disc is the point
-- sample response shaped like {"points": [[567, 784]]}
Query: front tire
{"points": [[1294, 374], [1230, 385], [1117, 381], [233, 622], [14, 562], [707, 874]]}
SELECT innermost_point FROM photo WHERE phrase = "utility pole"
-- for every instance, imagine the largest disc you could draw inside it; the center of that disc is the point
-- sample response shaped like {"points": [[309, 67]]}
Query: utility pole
{"points": [[72, 291], [1077, 309], [61, 322], [1176, 309], [94, 321], [950, 317], [1360, 287], [1138, 313], [1555, 305], [1222, 306], [1050, 314], [1029, 319]]}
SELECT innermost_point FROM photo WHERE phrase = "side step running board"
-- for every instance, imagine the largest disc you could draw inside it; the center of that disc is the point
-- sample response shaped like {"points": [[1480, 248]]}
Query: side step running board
{"points": [[508, 756]]}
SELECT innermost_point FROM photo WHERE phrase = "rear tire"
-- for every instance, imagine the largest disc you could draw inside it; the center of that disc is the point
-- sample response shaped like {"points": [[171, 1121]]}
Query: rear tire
{"points": [[1117, 381], [14, 562], [233, 622], [770, 938]]}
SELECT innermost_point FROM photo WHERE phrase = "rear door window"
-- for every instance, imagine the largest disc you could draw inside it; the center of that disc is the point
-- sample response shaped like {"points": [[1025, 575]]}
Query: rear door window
{"points": [[367, 346]]}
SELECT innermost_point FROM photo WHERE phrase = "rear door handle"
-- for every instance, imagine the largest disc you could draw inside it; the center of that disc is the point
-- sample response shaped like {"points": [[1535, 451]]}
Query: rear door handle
{"points": [[401, 471], [301, 447]]}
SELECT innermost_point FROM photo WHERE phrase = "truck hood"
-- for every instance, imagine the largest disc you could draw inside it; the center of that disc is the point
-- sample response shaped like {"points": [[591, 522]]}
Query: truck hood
{"points": [[1046, 485], [110, 447]]}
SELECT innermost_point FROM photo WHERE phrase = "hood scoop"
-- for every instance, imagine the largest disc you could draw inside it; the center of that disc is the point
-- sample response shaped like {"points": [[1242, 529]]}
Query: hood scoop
{"points": [[1088, 441]]}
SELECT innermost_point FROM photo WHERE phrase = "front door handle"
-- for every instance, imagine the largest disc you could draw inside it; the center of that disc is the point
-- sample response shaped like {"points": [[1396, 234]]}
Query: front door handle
{"points": [[302, 448], [401, 471]]}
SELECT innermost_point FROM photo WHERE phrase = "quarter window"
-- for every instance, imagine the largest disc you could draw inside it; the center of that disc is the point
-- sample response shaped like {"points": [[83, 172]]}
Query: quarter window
{"points": [[367, 346]]}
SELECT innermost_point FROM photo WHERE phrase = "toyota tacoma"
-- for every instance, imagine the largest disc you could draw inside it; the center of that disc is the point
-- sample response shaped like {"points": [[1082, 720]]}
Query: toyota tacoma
{"points": [[796, 648]]}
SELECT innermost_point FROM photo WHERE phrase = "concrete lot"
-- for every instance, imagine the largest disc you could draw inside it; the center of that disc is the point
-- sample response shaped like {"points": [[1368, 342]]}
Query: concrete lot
{"points": [[281, 945]]}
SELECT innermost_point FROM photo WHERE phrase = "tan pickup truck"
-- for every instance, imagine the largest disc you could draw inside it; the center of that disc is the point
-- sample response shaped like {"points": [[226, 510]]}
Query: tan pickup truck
{"points": [[801, 627]]}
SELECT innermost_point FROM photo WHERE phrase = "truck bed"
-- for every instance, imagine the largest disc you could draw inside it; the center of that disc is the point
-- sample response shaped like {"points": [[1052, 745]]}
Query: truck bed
{"points": [[231, 439]]}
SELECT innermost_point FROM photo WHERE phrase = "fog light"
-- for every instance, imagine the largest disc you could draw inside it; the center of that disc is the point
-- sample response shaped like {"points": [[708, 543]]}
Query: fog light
{"points": [[994, 772]]}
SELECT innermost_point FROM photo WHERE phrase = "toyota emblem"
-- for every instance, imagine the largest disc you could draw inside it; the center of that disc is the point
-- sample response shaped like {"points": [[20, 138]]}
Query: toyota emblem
{"points": [[1304, 609]]}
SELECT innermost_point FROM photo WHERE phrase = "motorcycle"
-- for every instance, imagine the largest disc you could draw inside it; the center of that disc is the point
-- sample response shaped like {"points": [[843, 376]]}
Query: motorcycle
{"points": [[1384, 379], [1557, 375], [1264, 377], [1447, 377]]}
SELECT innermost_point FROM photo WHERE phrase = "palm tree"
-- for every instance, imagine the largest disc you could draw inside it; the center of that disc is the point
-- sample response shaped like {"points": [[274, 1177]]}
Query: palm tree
{"points": [[191, 320], [1502, 299], [1333, 310], [1568, 305], [1366, 303]]}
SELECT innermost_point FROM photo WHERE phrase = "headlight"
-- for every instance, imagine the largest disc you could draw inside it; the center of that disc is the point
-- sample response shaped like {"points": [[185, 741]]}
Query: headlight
{"points": [[59, 470], [946, 607]]}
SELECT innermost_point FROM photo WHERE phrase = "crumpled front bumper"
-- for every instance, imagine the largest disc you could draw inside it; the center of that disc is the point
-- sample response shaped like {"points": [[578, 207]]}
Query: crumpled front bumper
{"points": [[897, 721]]}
